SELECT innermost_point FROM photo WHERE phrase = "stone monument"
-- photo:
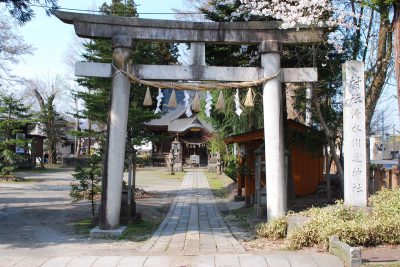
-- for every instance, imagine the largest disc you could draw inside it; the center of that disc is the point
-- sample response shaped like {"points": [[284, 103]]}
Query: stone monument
{"points": [[354, 136]]}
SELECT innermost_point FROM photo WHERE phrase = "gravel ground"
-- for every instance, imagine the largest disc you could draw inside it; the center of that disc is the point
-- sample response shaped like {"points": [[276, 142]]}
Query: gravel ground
{"points": [[37, 217]]}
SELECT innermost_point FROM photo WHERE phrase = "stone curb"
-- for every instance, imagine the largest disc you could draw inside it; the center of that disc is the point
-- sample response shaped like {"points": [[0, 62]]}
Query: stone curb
{"points": [[114, 233], [351, 256]]}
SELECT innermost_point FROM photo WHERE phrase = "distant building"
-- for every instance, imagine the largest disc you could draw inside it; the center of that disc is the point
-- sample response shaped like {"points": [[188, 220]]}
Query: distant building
{"points": [[386, 150]]}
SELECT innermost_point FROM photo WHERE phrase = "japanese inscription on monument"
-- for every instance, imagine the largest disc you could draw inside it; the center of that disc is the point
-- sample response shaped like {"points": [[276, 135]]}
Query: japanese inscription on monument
{"points": [[355, 180]]}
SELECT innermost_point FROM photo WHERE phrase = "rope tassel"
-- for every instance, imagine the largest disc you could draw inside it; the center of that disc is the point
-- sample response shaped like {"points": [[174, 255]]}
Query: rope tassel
{"points": [[249, 102], [196, 103], [172, 100], [147, 98], [221, 101]]}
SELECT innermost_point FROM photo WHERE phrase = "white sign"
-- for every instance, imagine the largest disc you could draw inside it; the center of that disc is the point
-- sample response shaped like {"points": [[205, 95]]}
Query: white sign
{"points": [[355, 167], [19, 149]]}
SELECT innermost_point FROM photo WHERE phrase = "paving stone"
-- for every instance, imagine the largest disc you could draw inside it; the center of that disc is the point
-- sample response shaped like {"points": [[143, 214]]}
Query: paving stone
{"points": [[82, 261], [136, 261], [57, 262], [227, 260], [107, 261], [203, 261], [252, 261], [29, 262], [277, 261], [10, 261], [157, 261], [326, 260], [301, 260]]}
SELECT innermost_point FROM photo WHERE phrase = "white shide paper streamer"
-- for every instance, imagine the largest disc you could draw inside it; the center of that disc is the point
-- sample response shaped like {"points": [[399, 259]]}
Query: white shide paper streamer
{"points": [[238, 110], [208, 104], [187, 104], [159, 100]]}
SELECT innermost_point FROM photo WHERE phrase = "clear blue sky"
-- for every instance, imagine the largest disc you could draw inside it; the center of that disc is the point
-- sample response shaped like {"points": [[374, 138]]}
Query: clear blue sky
{"points": [[52, 38]]}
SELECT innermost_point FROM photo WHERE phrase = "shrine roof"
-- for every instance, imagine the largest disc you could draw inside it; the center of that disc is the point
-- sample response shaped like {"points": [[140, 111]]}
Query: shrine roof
{"points": [[259, 134], [176, 121]]}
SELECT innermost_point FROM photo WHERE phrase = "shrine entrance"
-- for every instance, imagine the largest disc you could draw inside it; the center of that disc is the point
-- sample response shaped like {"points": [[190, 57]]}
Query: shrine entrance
{"points": [[125, 31]]}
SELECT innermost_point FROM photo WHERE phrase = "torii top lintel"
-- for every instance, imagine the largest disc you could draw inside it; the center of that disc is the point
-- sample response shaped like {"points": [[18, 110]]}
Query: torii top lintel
{"points": [[250, 32]]}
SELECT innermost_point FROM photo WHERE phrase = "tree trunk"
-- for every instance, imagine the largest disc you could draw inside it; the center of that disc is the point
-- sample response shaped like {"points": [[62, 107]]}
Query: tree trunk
{"points": [[52, 152], [329, 137], [379, 74], [327, 174], [89, 137]]}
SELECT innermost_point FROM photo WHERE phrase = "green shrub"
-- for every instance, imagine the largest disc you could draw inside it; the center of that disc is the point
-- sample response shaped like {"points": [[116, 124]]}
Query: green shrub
{"points": [[231, 169], [276, 229], [357, 227]]}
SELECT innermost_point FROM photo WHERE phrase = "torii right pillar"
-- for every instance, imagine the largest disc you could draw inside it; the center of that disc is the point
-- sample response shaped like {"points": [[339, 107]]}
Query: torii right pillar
{"points": [[273, 130]]}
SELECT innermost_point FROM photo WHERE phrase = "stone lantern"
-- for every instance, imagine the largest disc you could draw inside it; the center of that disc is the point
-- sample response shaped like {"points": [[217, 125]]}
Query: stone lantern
{"points": [[176, 148], [171, 162], [177, 152]]}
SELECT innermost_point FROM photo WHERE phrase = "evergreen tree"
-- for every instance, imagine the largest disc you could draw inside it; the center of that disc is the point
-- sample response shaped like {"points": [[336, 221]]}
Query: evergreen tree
{"points": [[14, 119], [87, 183], [22, 11], [97, 98]]}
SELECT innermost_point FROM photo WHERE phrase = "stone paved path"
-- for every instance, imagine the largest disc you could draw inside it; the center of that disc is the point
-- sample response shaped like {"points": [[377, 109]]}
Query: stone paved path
{"points": [[193, 225], [281, 259], [192, 234]]}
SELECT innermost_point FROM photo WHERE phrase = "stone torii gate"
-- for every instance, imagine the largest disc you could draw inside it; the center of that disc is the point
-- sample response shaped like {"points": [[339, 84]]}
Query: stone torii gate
{"points": [[123, 31]]}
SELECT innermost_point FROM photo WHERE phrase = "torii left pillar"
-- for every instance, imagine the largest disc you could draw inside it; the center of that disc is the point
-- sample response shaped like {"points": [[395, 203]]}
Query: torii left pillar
{"points": [[113, 162], [273, 130]]}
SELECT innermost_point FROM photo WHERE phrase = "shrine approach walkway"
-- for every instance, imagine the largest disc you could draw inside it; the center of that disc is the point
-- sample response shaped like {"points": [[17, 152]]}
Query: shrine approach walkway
{"points": [[194, 224]]}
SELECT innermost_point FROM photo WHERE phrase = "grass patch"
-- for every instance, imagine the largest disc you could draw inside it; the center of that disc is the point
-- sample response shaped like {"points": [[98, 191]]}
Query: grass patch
{"points": [[217, 184], [166, 175], [358, 227], [14, 180], [242, 216], [140, 230], [84, 226]]}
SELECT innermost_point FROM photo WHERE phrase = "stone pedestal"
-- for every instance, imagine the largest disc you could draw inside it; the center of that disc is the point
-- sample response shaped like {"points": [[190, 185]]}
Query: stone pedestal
{"points": [[112, 233]]}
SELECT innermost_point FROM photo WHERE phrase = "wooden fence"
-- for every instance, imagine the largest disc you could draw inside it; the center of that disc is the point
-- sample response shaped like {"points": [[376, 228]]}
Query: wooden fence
{"points": [[384, 178]]}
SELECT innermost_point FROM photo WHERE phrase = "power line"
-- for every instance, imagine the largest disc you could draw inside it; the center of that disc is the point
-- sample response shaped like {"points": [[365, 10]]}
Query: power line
{"points": [[139, 13]]}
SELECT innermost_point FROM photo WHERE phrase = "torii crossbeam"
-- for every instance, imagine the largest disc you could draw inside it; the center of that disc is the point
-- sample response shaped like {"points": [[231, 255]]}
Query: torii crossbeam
{"points": [[124, 31]]}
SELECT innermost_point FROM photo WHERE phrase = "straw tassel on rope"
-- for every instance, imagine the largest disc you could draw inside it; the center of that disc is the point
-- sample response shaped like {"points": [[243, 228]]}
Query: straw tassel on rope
{"points": [[221, 101], [249, 102], [196, 103], [147, 98], [172, 100]]}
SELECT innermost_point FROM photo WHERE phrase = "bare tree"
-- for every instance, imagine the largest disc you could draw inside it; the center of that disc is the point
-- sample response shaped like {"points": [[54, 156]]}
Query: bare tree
{"points": [[12, 48], [46, 94]]}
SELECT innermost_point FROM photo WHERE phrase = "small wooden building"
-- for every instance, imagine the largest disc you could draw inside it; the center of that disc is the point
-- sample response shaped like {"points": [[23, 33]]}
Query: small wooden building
{"points": [[190, 133], [305, 159]]}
